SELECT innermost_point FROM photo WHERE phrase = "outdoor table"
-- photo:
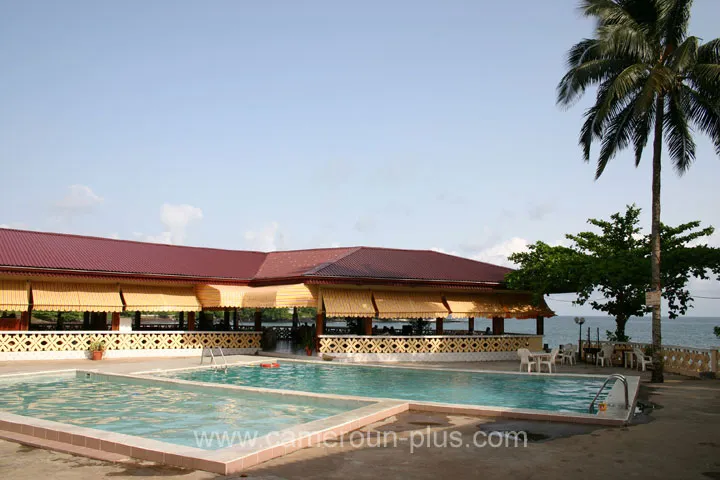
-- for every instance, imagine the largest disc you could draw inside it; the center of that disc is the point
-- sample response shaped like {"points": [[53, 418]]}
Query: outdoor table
{"points": [[629, 354], [591, 352], [539, 356]]}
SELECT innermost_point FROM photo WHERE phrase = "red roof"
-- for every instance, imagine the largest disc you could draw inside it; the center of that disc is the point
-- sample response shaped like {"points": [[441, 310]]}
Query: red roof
{"points": [[75, 254]]}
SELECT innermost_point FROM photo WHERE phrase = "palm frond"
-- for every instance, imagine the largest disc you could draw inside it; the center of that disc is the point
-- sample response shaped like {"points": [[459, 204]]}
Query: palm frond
{"points": [[704, 112], [685, 55], [709, 52], [676, 16], [677, 131], [631, 79], [642, 128], [577, 79], [586, 49], [625, 42], [616, 137]]}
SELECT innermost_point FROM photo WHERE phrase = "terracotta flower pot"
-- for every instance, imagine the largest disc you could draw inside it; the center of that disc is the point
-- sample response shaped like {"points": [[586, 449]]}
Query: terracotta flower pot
{"points": [[97, 355]]}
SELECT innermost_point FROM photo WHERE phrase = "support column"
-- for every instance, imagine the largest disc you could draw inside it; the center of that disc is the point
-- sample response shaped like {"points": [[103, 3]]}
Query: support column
{"points": [[181, 320], [319, 324], [258, 319], [235, 319], [367, 326], [226, 320], [59, 325], [438, 326], [471, 324], [191, 321], [498, 326], [115, 326], [136, 320], [25, 320], [295, 318], [86, 320], [540, 325]]}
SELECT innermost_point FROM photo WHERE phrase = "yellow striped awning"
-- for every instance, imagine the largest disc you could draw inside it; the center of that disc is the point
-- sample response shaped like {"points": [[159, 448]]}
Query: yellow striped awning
{"points": [[409, 305], [221, 296], [485, 305], [501, 304], [343, 302], [14, 295], [520, 306], [150, 298], [280, 296], [76, 297]]}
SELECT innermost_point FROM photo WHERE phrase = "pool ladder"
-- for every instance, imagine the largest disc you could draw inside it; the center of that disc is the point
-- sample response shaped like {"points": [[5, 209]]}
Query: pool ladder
{"points": [[614, 376], [213, 359]]}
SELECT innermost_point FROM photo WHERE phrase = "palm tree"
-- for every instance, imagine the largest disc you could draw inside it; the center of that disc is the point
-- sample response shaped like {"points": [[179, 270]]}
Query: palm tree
{"points": [[651, 77]]}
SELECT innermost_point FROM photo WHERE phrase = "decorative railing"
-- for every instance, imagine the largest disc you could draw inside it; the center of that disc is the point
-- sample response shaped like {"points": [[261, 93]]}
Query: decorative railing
{"points": [[676, 359], [337, 330], [429, 344], [71, 341]]}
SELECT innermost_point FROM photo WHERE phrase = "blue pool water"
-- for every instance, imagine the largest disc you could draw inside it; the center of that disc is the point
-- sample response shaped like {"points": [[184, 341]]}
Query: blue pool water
{"points": [[161, 412], [554, 393]]}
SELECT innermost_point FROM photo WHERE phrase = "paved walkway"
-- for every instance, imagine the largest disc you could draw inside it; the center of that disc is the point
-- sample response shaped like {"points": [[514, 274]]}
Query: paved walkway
{"points": [[678, 439]]}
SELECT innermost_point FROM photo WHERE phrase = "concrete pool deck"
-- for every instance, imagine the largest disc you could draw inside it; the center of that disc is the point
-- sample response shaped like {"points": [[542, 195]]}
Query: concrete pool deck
{"points": [[325, 461]]}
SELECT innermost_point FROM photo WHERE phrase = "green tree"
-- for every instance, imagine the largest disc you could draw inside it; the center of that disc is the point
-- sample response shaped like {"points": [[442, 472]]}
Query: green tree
{"points": [[651, 78], [614, 262]]}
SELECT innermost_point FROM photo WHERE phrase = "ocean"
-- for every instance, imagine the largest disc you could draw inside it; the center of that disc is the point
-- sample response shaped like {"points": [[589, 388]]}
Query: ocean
{"points": [[684, 331]]}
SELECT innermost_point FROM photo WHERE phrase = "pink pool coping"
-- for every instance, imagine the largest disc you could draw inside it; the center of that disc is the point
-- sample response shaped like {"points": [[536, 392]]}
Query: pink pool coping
{"points": [[233, 459]]}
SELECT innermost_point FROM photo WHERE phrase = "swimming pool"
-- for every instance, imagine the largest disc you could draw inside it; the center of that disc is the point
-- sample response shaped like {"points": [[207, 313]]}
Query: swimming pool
{"points": [[165, 412], [538, 392]]}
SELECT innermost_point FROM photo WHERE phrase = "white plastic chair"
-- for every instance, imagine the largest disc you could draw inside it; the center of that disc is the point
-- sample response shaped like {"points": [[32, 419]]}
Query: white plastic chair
{"points": [[642, 359], [551, 361], [568, 354], [524, 355], [605, 354]]}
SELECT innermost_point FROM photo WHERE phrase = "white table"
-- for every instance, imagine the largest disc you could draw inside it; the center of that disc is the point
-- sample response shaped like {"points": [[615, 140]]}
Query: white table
{"points": [[629, 355], [540, 356]]}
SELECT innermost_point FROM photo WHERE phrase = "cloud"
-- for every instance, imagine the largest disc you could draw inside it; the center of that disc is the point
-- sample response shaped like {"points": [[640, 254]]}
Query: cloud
{"points": [[540, 211], [175, 219], [15, 225], [79, 199], [365, 224], [498, 253], [266, 239]]}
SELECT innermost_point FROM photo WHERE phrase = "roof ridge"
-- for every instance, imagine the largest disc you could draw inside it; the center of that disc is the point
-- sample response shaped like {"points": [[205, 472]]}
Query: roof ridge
{"points": [[323, 266], [120, 240]]}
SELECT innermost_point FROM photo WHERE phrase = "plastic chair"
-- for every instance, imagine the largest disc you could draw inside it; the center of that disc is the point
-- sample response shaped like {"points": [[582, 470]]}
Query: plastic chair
{"points": [[642, 359], [551, 361], [524, 355], [605, 354], [568, 354]]}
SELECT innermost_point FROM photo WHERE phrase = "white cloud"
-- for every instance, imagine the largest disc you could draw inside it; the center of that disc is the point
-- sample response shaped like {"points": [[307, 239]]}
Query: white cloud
{"points": [[15, 225], [498, 253], [79, 199], [266, 239], [175, 219]]}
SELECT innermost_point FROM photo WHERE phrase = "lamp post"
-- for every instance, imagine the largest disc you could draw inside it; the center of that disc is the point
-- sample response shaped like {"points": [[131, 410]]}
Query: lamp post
{"points": [[580, 321]]}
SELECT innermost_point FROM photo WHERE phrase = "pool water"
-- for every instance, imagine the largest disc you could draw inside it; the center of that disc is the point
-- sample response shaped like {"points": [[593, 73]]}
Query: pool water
{"points": [[553, 393], [161, 412]]}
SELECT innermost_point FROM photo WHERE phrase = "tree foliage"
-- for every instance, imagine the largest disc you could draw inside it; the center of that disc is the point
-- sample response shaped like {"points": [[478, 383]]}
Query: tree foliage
{"points": [[614, 261]]}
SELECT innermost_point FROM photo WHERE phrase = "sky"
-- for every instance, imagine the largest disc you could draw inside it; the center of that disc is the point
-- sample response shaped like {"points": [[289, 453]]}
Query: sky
{"points": [[274, 124]]}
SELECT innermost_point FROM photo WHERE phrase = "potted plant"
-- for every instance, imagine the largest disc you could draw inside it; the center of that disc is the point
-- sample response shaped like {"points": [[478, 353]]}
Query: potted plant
{"points": [[308, 343], [97, 347]]}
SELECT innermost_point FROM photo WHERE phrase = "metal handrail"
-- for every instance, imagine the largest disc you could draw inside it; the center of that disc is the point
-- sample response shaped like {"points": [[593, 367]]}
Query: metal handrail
{"points": [[212, 356], [614, 376]]}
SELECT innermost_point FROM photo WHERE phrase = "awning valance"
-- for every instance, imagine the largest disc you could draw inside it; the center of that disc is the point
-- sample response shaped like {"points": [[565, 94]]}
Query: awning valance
{"points": [[409, 305], [76, 297], [280, 296], [13, 295], [150, 298], [342, 302], [221, 296]]}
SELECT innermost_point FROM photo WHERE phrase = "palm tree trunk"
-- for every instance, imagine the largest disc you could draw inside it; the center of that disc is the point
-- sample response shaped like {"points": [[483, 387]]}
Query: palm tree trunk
{"points": [[657, 360]]}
